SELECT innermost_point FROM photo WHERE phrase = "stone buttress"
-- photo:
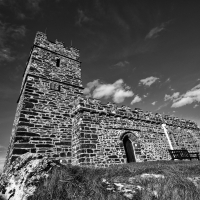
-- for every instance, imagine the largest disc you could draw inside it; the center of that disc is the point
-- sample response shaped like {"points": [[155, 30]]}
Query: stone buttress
{"points": [[51, 81]]}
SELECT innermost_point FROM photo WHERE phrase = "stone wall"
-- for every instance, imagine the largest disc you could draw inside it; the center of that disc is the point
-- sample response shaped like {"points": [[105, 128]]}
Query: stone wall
{"points": [[52, 80], [98, 138]]}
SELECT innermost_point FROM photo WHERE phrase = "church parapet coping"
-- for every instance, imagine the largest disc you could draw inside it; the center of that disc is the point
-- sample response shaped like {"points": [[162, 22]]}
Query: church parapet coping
{"points": [[126, 112]]}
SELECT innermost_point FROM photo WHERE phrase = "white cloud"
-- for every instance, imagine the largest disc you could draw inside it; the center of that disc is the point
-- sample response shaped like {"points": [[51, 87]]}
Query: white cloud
{"points": [[136, 100], [173, 96], [107, 90], [189, 97], [90, 86], [148, 81], [118, 90], [9, 33], [82, 18], [196, 105], [153, 103], [122, 64], [182, 102], [17, 32], [5, 55], [170, 87], [162, 106], [154, 32], [120, 95], [145, 95]]}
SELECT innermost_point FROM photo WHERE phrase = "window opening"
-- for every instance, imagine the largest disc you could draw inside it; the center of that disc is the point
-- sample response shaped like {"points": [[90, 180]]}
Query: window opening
{"points": [[129, 149], [58, 62]]}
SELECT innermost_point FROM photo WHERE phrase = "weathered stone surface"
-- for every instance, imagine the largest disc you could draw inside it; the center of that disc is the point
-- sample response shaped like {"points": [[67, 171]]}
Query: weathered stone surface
{"points": [[132, 187], [20, 179]]}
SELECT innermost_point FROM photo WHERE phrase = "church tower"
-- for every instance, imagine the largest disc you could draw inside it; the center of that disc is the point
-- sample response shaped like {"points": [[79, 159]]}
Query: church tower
{"points": [[51, 81]]}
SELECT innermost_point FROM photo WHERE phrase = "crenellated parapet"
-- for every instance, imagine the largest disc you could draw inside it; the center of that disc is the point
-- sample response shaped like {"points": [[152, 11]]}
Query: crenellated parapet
{"points": [[57, 47], [112, 109]]}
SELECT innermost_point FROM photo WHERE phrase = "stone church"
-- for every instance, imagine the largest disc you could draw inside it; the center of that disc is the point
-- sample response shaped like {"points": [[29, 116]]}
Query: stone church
{"points": [[54, 118]]}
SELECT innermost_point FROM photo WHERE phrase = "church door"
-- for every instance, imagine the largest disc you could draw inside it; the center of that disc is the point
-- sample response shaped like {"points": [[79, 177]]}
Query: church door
{"points": [[129, 149]]}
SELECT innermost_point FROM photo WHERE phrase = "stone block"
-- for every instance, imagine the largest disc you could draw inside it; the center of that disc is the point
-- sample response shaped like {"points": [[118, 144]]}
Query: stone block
{"points": [[21, 139], [63, 143], [62, 154], [33, 150], [33, 100], [69, 154], [92, 146], [19, 133], [24, 145], [94, 136], [28, 105], [113, 156], [41, 138], [29, 112], [87, 136], [44, 145], [21, 129], [24, 120], [89, 151], [84, 155], [20, 151]]}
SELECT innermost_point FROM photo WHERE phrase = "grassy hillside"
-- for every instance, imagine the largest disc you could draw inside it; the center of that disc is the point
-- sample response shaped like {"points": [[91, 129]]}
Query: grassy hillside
{"points": [[82, 183]]}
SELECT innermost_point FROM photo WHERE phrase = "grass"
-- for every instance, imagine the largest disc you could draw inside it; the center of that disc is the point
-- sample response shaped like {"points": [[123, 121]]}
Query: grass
{"points": [[82, 183]]}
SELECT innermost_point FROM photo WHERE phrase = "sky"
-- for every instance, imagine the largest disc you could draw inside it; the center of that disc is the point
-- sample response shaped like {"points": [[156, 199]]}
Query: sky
{"points": [[139, 53]]}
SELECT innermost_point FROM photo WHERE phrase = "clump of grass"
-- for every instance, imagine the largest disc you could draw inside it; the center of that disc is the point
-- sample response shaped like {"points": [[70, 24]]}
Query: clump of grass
{"points": [[83, 183], [75, 183]]}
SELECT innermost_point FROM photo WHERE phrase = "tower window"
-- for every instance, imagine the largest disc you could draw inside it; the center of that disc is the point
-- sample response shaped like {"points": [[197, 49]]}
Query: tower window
{"points": [[58, 62]]}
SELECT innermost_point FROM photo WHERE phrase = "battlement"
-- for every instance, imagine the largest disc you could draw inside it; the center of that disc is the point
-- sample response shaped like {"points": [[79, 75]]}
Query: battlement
{"points": [[94, 105], [58, 47]]}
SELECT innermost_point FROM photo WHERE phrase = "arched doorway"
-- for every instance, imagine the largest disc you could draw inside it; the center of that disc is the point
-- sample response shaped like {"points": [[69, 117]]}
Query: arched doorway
{"points": [[128, 146]]}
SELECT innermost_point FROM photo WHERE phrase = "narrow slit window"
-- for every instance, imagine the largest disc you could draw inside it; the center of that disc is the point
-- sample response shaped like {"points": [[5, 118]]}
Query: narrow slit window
{"points": [[57, 62]]}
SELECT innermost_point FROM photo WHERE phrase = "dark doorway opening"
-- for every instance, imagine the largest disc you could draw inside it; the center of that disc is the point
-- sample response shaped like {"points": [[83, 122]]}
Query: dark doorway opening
{"points": [[129, 149]]}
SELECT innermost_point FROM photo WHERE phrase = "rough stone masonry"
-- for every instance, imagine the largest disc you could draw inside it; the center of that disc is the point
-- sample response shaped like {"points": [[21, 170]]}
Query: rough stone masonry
{"points": [[54, 119]]}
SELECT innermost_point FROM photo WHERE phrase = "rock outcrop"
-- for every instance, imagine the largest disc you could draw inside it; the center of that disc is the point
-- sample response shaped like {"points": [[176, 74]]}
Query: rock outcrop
{"points": [[20, 180]]}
